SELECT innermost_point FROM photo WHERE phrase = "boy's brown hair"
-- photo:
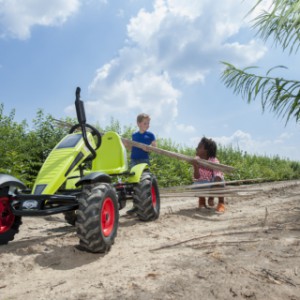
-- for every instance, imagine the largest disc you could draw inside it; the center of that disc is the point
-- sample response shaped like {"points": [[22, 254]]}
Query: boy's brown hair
{"points": [[141, 117]]}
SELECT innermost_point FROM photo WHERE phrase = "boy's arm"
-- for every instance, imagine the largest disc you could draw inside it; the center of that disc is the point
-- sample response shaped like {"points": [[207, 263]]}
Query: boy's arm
{"points": [[127, 145], [154, 144]]}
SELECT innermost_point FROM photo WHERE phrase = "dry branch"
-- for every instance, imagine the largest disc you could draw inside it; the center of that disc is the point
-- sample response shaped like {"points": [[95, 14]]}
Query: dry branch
{"points": [[223, 244], [200, 238], [271, 275], [181, 242], [191, 160]]}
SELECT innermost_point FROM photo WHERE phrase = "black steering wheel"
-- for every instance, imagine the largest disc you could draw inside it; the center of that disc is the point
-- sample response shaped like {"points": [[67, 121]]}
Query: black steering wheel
{"points": [[94, 132]]}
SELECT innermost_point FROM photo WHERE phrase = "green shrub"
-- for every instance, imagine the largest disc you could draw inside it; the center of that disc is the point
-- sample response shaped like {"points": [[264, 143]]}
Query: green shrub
{"points": [[23, 151]]}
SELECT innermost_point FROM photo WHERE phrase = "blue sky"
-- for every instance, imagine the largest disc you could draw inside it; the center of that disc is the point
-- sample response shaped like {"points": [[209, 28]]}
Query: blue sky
{"points": [[161, 57]]}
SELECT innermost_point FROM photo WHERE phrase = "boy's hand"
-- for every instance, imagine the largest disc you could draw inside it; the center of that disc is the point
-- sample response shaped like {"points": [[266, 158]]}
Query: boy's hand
{"points": [[126, 144]]}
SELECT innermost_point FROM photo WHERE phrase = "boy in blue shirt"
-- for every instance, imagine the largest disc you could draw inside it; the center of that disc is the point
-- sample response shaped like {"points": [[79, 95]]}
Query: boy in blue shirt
{"points": [[143, 136]]}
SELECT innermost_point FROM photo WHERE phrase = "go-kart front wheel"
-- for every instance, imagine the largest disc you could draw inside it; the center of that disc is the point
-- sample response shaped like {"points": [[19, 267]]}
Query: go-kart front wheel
{"points": [[146, 198], [9, 223], [97, 217]]}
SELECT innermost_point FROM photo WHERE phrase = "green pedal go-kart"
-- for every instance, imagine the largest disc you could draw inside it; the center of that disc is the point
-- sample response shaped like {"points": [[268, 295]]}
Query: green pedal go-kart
{"points": [[89, 198]]}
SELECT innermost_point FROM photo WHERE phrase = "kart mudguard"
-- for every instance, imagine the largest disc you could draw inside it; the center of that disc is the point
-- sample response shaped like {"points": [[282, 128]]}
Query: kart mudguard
{"points": [[137, 170], [93, 178], [8, 180]]}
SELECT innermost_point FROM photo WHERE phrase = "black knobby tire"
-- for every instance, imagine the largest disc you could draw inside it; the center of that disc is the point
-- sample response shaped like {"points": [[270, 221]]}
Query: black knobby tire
{"points": [[9, 223], [70, 217], [146, 198], [97, 217]]}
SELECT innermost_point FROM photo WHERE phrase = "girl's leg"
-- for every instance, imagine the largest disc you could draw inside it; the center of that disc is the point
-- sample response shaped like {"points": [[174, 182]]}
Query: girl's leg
{"points": [[221, 206], [211, 202], [201, 202]]}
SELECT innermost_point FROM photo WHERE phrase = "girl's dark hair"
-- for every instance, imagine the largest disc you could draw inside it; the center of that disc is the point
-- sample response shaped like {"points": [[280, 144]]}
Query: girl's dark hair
{"points": [[210, 146]]}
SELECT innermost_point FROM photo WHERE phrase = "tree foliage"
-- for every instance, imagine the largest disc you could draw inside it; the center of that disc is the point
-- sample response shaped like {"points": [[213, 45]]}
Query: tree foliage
{"points": [[23, 151], [12, 135], [280, 95], [39, 142]]}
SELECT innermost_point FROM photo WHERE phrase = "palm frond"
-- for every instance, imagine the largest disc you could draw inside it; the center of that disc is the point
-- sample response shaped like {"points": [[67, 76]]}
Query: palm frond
{"points": [[282, 23], [280, 95]]}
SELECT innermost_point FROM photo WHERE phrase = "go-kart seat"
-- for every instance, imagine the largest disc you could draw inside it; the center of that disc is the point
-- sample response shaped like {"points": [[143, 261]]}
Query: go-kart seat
{"points": [[111, 155]]}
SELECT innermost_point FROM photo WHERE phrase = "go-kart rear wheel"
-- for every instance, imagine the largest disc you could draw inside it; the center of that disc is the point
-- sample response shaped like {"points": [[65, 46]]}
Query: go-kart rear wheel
{"points": [[9, 223], [97, 217], [146, 198]]}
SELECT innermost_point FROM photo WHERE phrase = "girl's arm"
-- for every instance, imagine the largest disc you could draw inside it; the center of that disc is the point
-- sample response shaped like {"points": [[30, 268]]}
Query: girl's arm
{"points": [[196, 172], [218, 175]]}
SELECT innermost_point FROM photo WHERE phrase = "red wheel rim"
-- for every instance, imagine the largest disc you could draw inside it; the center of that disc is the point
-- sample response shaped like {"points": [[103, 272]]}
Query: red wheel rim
{"points": [[153, 194], [6, 217], [107, 217]]}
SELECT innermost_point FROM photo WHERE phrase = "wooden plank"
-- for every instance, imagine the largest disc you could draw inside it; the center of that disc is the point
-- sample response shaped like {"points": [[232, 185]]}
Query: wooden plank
{"points": [[184, 195], [210, 184], [211, 192], [214, 191]]}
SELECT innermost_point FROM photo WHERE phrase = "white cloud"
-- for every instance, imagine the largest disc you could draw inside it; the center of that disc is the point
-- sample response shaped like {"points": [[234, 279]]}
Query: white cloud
{"points": [[18, 17], [175, 42], [239, 139], [141, 92], [286, 135], [245, 54], [283, 138], [185, 128], [191, 9], [190, 38], [145, 25], [245, 142]]}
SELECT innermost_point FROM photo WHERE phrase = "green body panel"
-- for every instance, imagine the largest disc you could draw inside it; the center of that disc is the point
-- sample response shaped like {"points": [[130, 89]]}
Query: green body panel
{"points": [[111, 156], [54, 170], [137, 170], [70, 183]]}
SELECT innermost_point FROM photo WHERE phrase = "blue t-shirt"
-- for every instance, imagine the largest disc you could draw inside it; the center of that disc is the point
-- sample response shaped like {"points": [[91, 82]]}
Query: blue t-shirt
{"points": [[146, 138]]}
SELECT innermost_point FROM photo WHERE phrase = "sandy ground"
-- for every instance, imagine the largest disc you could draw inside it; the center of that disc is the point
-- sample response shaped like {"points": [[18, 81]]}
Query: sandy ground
{"points": [[250, 252]]}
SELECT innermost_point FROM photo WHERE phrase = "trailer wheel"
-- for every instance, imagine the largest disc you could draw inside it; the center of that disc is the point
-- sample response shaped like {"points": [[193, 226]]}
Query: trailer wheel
{"points": [[97, 217], [146, 198], [9, 223]]}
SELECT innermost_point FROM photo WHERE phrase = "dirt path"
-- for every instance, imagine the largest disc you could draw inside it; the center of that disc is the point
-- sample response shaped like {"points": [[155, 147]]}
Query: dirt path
{"points": [[250, 252]]}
